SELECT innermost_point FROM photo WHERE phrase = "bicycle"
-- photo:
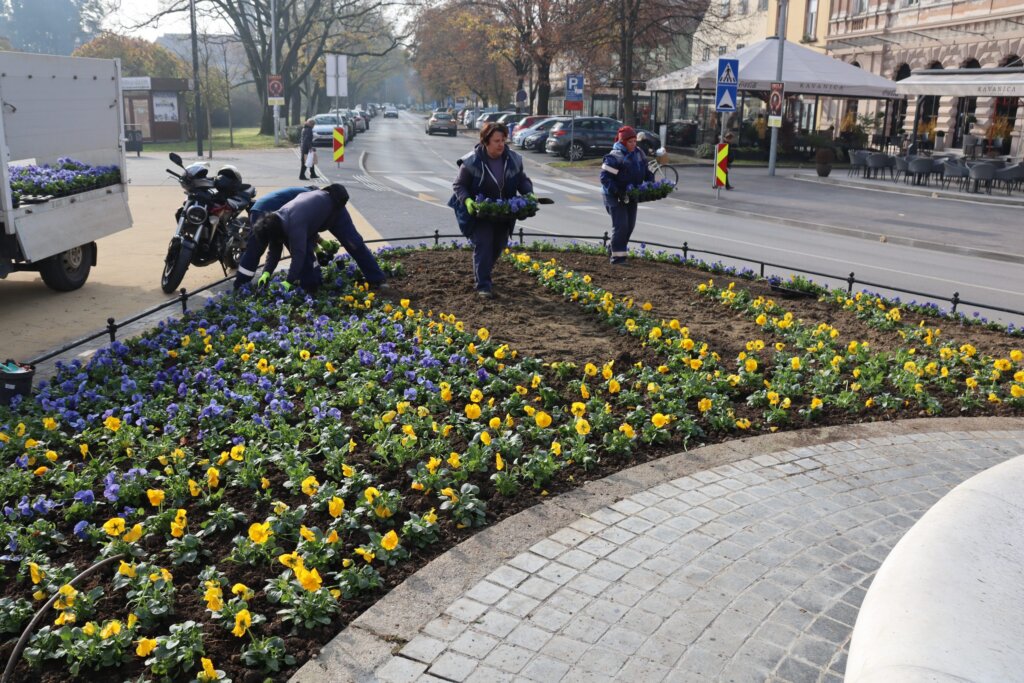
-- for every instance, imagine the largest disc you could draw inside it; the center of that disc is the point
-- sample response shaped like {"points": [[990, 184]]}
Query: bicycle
{"points": [[662, 171]]}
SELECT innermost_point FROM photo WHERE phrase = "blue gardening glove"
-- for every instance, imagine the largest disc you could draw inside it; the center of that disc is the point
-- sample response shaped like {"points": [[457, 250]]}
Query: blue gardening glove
{"points": [[471, 207], [264, 279]]}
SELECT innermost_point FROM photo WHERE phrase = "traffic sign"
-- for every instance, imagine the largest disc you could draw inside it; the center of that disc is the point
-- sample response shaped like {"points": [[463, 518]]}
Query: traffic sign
{"points": [[337, 74], [275, 89], [727, 84], [521, 96], [574, 92], [721, 165], [339, 144]]}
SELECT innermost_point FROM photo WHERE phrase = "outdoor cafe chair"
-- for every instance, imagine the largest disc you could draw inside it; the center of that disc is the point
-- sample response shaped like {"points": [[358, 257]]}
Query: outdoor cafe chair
{"points": [[952, 170], [921, 168], [982, 172], [878, 163], [1011, 176], [901, 165], [858, 162]]}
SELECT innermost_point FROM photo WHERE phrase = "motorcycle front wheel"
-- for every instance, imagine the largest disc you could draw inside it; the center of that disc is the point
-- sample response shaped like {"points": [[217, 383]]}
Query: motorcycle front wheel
{"points": [[235, 246], [178, 256]]}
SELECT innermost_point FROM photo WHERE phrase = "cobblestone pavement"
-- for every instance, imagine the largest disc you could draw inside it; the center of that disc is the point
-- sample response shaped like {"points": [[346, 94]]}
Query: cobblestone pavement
{"points": [[750, 571]]}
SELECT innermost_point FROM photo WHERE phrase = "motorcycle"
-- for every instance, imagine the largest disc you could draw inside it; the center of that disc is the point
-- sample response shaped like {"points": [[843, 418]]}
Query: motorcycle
{"points": [[210, 225]]}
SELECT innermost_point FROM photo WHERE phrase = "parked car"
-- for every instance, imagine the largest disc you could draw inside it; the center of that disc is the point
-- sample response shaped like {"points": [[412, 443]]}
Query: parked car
{"points": [[391, 113], [350, 123], [491, 116], [529, 132], [442, 122], [323, 129], [576, 138], [511, 119], [525, 122]]}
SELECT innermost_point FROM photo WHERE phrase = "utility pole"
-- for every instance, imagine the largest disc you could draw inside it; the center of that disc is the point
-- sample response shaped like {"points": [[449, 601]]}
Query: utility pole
{"points": [[780, 34], [273, 57], [195, 78]]}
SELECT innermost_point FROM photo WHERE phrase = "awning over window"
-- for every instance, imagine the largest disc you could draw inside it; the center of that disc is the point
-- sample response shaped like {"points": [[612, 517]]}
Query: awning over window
{"points": [[998, 82]]}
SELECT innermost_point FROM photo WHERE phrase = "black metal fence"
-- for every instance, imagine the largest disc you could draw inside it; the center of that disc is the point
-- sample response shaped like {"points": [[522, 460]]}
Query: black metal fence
{"points": [[687, 251]]}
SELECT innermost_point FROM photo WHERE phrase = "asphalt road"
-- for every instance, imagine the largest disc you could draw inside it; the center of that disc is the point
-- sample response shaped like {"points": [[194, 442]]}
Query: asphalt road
{"points": [[400, 178]]}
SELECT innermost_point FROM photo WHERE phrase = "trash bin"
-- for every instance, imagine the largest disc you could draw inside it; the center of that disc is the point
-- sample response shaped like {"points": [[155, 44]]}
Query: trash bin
{"points": [[15, 380], [133, 141]]}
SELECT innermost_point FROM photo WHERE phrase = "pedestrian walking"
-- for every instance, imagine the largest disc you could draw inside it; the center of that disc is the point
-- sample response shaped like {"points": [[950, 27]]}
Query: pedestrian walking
{"points": [[490, 171], [624, 167], [297, 225], [306, 151]]}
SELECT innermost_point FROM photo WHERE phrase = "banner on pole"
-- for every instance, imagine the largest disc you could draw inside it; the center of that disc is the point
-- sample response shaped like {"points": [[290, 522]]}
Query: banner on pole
{"points": [[775, 100], [275, 90]]}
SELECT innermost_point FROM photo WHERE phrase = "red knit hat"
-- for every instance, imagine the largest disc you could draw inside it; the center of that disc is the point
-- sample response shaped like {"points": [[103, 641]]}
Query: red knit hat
{"points": [[625, 133]]}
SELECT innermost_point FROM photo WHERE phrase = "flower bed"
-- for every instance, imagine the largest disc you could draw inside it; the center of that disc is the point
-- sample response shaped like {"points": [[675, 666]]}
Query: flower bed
{"points": [[66, 177], [267, 467]]}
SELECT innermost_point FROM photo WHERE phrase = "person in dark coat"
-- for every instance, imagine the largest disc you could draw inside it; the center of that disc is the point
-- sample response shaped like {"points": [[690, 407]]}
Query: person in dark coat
{"points": [[297, 224], [254, 249], [621, 168], [305, 147], [490, 171]]}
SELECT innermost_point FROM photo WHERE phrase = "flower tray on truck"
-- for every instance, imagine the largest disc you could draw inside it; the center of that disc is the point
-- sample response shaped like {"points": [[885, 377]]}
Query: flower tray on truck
{"points": [[63, 181]]}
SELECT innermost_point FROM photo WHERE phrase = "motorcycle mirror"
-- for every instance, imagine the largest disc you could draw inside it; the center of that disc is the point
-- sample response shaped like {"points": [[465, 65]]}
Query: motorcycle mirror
{"points": [[176, 159]]}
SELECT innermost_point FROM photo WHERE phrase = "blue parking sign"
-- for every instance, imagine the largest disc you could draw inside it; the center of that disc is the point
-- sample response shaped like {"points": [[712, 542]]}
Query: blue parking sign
{"points": [[574, 87], [727, 84]]}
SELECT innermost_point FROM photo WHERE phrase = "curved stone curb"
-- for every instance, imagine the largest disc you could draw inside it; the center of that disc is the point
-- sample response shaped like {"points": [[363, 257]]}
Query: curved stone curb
{"points": [[701, 513], [945, 605]]}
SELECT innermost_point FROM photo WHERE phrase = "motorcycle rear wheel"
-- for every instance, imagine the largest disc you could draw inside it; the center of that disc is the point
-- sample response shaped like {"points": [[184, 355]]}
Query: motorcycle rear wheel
{"points": [[178, 256]]}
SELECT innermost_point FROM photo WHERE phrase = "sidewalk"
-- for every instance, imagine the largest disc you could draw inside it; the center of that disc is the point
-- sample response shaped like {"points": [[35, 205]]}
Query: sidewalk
{"points": [[752, 570]]}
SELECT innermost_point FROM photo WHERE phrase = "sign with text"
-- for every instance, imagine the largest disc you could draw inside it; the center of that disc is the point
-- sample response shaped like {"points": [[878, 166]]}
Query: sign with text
{"points": [[775, 99], [727, 84], [574, 92], [337, 74]]}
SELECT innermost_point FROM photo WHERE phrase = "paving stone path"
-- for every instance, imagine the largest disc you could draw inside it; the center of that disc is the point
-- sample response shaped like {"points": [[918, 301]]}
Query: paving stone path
{"points": [[749, 571]]}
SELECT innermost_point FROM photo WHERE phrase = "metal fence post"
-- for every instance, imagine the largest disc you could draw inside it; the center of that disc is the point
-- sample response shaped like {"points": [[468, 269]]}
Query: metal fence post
{"points": [[849, 284], [955, 300], [686, 251], [183, 295], [604, 240], [112, 329], [762, 268], [437, 237], [521, 235]]}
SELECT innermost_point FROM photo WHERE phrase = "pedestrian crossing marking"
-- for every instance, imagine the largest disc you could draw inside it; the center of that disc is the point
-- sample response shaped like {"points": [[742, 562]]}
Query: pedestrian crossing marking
{"points": [[409, 184], [423, 196], [727, 77]]}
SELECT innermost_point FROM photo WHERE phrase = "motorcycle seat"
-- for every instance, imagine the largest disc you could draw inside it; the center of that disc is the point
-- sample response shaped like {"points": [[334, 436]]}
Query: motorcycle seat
{"points": [[239, 201]]}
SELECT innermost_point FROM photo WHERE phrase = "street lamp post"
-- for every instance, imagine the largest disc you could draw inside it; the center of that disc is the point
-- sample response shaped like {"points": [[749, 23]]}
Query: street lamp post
{"points": [[195, 78], [273, 56], [781, 34]]}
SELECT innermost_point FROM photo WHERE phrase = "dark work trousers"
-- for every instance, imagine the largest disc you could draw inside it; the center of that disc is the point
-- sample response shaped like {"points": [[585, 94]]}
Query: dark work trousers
{"points": [[344, 230], [489, 241], [623, 223]]}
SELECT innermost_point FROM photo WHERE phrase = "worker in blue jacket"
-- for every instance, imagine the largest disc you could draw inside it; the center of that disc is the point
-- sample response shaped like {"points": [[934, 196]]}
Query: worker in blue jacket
{"points": [[297, 224], [250, 260], [623, 167]]}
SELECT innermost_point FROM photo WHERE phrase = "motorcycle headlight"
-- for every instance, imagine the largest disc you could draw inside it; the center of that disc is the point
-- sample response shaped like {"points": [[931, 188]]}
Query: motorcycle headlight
{"points": [[195, 214]]}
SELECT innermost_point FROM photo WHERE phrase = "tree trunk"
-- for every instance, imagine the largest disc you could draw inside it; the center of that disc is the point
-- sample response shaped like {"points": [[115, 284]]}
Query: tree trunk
{"points": [[543, 84]]}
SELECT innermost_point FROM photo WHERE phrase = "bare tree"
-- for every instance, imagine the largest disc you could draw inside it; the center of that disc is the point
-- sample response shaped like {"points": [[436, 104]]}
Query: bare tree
{"points": [[304, 31]]}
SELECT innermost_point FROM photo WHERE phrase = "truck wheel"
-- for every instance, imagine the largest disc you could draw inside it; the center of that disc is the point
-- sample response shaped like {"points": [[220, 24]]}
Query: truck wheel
{"points": [[175, 265], [575, 151], [68, 270]]}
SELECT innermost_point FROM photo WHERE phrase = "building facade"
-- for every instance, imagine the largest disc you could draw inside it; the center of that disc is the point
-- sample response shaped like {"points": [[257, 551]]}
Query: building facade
{"points": [[895, 37]]}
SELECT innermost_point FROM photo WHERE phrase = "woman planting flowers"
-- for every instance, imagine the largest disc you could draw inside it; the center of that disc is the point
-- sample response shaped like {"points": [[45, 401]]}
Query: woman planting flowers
{"points": [[490, 172], [624, 167]]}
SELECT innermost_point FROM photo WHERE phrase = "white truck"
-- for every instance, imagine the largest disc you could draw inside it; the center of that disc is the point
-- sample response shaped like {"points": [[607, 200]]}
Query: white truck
{"points": [[53, 107]]}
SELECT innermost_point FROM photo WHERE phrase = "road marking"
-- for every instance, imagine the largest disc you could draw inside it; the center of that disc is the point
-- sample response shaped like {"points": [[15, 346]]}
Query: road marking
{"points": [[423, 196], [408, 184], [370, 183], [578, 183], [576, 198], [559, 185], [439, 181]]}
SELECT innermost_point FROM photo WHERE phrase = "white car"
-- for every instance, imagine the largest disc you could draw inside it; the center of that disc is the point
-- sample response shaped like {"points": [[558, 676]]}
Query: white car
{"points": [[391, 113]]}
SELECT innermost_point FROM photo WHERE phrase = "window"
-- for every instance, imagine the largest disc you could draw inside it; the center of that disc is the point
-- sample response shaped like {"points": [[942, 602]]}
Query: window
{"points": [[762, 5], [740, 46], [811, 19], [721, 49], [742, 7], [707, 54], [860, 6], [725, 8]]}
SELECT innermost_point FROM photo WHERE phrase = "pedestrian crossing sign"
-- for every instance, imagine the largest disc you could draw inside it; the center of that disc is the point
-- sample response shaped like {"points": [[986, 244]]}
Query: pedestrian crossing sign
{"points": [[727, 84]]}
